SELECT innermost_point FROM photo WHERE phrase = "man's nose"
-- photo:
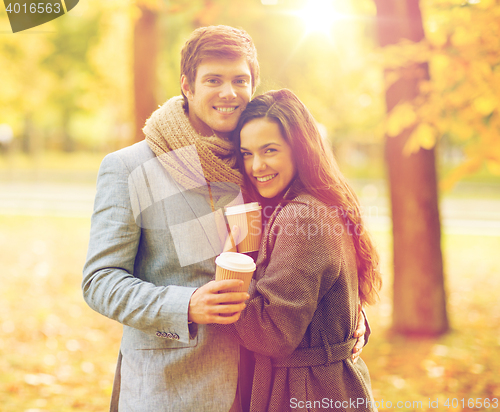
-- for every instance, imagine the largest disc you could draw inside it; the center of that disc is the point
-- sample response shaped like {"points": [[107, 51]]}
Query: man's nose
{"points": [[228, 91]]}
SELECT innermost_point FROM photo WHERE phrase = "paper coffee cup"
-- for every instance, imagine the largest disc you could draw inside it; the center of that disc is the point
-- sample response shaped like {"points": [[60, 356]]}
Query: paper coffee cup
{"points": [[248, 218], [231, 265]]}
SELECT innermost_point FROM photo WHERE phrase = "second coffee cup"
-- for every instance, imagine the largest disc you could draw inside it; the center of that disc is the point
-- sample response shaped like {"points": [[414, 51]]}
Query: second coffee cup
{"points": [[231, 265], [248, 218]]}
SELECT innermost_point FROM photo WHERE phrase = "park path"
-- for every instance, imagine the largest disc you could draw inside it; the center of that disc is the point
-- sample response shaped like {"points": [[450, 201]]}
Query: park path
{"points": [[46, 199], [471, 209]]}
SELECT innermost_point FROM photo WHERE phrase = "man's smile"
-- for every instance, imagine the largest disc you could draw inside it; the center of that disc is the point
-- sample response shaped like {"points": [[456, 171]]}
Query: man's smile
{"points": [[226, 109]]}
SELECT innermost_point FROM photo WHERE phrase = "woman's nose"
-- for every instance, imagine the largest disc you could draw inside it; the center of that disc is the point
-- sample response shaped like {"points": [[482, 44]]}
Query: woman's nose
{"points": [[258, 164]]}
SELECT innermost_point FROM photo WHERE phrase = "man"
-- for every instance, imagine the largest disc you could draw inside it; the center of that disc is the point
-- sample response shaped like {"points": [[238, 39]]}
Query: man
{"points": [[155, 232]]}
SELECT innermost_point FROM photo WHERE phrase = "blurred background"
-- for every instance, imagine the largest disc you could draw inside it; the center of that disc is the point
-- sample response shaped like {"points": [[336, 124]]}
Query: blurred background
{"points": [[407, 93]]}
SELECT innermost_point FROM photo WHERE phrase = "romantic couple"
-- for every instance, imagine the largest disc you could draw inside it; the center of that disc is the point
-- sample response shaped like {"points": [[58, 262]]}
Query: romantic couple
{"points": [[293, 342]]}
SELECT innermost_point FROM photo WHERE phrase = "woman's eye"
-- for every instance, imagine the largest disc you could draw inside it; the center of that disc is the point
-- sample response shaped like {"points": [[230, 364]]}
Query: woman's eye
{"points": [[245, 154], [270, 150]]}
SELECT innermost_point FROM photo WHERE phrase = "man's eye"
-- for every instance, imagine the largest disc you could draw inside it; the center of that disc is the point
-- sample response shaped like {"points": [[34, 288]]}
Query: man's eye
{"points": [[241, 81], [213, 81]]}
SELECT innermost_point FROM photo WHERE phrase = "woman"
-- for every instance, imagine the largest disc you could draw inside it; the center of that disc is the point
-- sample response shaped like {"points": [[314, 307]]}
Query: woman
{"points": [[315, 263]]}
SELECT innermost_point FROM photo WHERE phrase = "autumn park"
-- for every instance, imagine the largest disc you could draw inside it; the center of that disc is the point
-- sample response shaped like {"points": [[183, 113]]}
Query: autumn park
{"points": [[406, 92]]}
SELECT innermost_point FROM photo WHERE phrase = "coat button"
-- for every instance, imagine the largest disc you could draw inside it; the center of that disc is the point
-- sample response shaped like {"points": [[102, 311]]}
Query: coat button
{"points": [[158, 333], [176, 336], [169, 335], [164, 334]]}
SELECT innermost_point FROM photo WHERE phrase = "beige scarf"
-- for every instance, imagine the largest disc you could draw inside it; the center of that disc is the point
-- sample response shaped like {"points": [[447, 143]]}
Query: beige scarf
{"points": [[193, 160]]}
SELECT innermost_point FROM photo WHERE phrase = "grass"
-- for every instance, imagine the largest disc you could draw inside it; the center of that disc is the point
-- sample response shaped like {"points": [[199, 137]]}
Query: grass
{"points": [[58, 355], [462, 364]]}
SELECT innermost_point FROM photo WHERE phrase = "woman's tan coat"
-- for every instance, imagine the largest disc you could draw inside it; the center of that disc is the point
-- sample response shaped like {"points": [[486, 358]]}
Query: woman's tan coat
{"points": [[302, 314]]}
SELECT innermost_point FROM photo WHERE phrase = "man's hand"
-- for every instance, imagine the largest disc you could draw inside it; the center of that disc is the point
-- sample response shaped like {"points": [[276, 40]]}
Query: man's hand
{"points": [[360, 334], [207, 305]]}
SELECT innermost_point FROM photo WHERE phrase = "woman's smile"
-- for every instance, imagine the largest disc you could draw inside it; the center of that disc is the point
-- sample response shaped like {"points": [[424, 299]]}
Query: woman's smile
{"points": [[266, 178]]}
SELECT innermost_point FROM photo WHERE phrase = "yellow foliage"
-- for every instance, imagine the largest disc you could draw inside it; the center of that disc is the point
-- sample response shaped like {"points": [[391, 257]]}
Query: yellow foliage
{"points": [[481, 67], [425, 87], [442, 124], [462, 97], [400, 118], [462, 36], [460, 15], [467, 168], [457, 99], [439, 63], [461, 130], [485, 105], [486, 4], [437, 37], [391, 77], [209, 14], [424, 136], [493, 167], [492, 151]]}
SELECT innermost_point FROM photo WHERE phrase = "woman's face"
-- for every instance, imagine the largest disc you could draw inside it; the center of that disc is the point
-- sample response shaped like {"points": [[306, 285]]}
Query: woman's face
{"points": [[268, 159]]}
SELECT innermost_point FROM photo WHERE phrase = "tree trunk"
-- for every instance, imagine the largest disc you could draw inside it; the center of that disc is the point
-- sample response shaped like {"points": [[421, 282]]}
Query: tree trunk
{"points": [[145, 52], [419, 295]]}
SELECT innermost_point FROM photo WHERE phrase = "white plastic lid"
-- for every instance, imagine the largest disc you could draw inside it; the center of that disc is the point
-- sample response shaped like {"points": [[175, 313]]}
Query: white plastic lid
{"points": [[235, 261], [244, 208]]}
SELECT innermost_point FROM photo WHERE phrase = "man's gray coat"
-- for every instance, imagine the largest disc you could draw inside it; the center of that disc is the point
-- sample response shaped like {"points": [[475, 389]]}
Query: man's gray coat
{"points": [[151, 245]]}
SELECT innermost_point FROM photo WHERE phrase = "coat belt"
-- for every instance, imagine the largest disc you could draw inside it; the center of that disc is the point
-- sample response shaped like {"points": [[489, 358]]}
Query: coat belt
{"points": [[319, 355]]}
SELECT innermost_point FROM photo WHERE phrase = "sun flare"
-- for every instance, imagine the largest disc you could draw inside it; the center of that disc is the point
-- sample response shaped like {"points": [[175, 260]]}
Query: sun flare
{"points": [[319, 16]]}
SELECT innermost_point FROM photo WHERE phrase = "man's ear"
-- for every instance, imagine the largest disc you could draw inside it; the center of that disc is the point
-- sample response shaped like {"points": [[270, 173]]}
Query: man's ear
{"points": [[186, 89]]}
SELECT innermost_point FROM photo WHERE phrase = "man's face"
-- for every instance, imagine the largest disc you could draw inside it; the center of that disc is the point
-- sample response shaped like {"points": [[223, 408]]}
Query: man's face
{"points": [[221, 92]]}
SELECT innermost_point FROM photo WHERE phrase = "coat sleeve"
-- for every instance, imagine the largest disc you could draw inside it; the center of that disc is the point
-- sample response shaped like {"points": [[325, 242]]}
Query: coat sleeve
{"points": [[305, 261], [109, 286]]}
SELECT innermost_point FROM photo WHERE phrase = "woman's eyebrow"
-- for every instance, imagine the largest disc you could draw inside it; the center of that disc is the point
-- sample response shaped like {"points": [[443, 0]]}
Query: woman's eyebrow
{"points": [[262, 147]]}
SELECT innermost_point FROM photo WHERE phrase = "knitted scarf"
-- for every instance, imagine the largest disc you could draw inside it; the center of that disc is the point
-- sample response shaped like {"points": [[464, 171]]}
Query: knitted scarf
{"points": [[193, 160]]}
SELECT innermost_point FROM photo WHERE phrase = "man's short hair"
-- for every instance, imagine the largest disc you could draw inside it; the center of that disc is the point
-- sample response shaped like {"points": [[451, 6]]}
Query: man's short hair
{"points": [[219, 42]]}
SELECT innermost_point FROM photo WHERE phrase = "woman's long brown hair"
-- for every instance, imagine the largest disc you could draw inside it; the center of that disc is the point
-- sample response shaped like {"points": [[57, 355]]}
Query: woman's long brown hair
{"points": [[319, 174]]}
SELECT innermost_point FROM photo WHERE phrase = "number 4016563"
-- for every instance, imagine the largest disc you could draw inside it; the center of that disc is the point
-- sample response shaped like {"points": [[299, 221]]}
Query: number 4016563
{"points": [[34, 8], [478, 403]]}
